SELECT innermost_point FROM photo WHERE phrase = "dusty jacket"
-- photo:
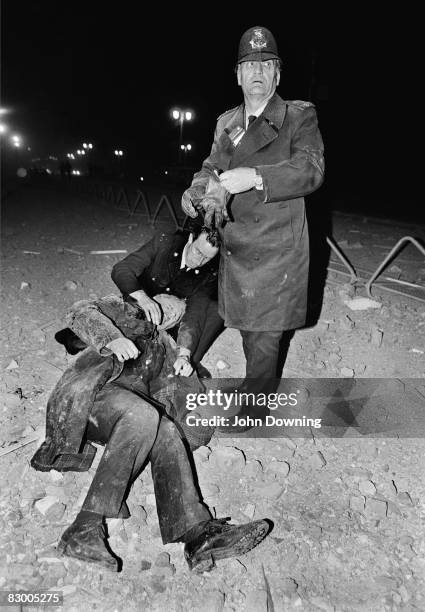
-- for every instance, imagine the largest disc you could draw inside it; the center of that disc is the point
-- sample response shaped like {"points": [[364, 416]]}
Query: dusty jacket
{"points": [[69, 405], [264, 254]]}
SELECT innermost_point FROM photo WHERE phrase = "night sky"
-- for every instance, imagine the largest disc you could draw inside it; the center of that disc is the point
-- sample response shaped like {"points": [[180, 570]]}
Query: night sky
{"points": [[87, 71]]}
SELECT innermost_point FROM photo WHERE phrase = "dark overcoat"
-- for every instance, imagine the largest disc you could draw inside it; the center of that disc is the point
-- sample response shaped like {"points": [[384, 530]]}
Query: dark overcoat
{"points": [[264, 260]]}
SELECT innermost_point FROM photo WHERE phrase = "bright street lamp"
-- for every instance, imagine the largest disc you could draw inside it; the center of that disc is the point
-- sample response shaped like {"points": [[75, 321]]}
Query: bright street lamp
{"points": [[3, 128], [87, 145], [181, 116], [185, 148], [118, 153]]}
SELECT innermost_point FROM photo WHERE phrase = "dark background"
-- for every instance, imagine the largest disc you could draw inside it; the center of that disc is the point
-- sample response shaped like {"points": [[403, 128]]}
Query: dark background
{"points": [[110, 74]]}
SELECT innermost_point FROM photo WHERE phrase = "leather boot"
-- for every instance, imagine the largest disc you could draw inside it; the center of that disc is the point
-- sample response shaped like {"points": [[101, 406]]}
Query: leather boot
{"points": [[86, 541], [215, 539]]}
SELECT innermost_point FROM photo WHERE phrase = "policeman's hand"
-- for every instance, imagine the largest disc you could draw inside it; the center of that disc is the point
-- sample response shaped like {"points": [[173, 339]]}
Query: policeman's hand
{"points": [[182, 366], [190, 198], [238, 179], [123, 348], [151, 308]]}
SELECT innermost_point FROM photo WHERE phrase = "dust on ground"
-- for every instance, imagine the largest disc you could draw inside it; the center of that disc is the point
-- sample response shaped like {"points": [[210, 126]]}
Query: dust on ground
{"points": [[349, 512]]}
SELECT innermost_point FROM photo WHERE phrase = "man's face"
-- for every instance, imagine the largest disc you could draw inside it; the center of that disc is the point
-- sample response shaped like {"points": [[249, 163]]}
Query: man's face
{"points": [[258, 79], [200, 251]]}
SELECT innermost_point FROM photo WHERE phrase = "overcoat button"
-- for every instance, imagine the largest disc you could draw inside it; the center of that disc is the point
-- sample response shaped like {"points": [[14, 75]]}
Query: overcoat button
{"points": [[257, 219]]}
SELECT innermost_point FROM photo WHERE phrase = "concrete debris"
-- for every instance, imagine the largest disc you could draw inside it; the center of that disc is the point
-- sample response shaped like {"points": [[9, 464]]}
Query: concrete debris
{"points": [[253, 469], [70, 286], [56, 476], [405, 499], [418, 351], [376, 508], [347, 372], [144, 565], [38, 335], [376, 337], [203, 453], [109, 252], [210, 490], [13, 365], [227, 458], [367, 488], [289, 585], [162, 560], [279, 468], [357, 503], [25, 285], [150, 499], [401, 484], [317, 461], [362, 303], [347, 323], [222, 365], [50, 507], [334, 358], [395, 271], [249, 510], [269, 490]]}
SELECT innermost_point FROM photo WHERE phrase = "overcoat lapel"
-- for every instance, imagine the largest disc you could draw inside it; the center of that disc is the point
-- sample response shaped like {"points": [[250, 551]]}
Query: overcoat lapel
{"points": [[263, 131], [225, 145]]}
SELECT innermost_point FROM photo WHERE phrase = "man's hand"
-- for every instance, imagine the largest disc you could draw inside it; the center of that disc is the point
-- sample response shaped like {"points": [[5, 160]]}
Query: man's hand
{"points": [[189, 199], [182, 366], [151, 308], [238, 179], [123, 348]]}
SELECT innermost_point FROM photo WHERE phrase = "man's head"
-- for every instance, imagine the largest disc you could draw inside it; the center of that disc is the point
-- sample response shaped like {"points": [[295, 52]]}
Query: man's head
{"points": [[258, 67], [202, 249]]}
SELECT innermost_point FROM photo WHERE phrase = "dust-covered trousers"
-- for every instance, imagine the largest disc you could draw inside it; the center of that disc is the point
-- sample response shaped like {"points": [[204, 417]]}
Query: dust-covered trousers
{"points": [[134, 433]]}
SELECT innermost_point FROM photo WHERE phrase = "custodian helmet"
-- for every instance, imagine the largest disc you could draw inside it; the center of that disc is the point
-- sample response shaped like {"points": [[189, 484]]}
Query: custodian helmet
{"points": [[257, 44]]}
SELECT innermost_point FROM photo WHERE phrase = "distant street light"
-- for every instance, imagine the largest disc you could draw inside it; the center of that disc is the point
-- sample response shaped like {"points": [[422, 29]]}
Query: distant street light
{"points": [[16, 140], [185, 148], [3, 128], [181, 116], [87, 145], [118, 153]]}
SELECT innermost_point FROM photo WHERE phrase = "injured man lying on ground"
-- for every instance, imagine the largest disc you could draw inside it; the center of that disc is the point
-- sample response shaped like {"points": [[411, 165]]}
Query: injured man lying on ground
{"points": [[122, 392]]}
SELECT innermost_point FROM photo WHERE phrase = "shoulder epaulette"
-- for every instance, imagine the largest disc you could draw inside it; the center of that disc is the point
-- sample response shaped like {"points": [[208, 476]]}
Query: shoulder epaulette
{"points": [[228, 112], [300, 104]]}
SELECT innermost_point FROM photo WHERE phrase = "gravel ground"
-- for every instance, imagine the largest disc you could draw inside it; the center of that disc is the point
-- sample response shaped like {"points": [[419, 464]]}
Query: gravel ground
{"points": [[348, 510]]}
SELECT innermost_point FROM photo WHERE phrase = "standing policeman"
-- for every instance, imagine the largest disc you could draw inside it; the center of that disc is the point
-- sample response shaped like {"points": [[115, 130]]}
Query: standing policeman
{"points": [[268, 154]]}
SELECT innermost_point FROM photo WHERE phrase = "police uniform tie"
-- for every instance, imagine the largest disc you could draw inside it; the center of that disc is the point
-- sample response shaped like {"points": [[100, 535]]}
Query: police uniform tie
{"points": [[251, 119]]}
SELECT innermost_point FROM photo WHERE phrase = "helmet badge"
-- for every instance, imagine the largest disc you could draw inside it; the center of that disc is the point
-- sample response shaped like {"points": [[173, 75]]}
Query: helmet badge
{"points": [[258, 41]]}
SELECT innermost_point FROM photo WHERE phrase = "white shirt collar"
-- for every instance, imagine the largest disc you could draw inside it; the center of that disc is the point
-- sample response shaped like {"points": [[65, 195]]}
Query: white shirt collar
{"points": [[186, 246], [257, 113]]}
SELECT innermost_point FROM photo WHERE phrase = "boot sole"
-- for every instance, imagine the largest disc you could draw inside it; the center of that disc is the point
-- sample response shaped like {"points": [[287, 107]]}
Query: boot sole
{"points": [[205, 560]]}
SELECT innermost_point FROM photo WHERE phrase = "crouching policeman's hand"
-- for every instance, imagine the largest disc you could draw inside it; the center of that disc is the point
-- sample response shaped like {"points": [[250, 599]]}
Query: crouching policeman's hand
{"points": [[182, 365], [151, 308]]}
